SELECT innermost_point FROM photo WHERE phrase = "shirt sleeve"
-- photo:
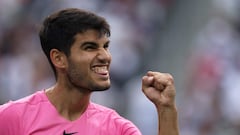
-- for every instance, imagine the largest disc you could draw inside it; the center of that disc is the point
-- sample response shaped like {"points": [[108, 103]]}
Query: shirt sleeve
{"points": [[9, 120], [125, 126], [130, 129]]}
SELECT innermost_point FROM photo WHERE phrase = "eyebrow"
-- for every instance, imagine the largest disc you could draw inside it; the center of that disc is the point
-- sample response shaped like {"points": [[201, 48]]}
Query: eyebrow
{"points": [[89, 42], [94, 43]]}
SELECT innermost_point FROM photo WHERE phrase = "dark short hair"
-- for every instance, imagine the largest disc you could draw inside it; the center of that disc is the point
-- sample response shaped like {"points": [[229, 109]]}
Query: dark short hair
{"points": [[60, 28]]}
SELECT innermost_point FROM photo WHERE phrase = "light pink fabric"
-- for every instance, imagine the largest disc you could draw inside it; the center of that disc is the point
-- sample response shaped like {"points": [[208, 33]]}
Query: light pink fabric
{"points": [[35, 115]]}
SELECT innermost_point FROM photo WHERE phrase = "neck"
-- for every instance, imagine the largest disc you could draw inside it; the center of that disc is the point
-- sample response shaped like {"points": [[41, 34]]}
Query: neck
{"points": [[70, 103]]}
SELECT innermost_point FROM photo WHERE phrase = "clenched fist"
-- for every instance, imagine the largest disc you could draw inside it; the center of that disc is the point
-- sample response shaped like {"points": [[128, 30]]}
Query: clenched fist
{"points": [[160, 89]]}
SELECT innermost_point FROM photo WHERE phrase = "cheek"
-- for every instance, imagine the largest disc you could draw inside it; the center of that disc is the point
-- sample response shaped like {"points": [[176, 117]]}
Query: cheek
{"points": [[79, 69], [75, 72], [74, 67], [77, 76], [80, 62], [80, 65]]}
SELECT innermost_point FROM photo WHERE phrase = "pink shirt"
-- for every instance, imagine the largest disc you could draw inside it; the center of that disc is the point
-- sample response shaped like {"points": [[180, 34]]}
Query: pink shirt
{"points": [[35, 115]]}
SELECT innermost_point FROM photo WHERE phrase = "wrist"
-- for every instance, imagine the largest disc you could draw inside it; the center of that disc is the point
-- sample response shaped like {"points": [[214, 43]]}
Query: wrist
{"points": [[168, 120], [167, 105]]}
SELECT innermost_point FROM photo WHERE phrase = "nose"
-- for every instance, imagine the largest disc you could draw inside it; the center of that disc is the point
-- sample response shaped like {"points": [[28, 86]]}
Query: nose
{"points": [[104, 55]]}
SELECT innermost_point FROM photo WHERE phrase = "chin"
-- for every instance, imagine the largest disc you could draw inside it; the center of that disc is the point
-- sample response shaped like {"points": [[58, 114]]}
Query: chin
{"points": [[101, 88]]}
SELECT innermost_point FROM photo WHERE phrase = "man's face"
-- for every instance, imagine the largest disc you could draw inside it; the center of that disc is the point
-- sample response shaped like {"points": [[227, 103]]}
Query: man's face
{"points": [[89, 61]]}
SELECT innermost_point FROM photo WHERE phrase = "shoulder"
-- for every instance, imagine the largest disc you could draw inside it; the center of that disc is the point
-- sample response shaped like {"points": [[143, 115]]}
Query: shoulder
{"points": [[113, 119], [100, 108], [103, 111], [15, 109], [12, 114], [9, 113]]}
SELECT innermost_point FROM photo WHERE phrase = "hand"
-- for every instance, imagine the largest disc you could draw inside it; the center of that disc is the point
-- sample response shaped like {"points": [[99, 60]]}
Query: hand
{"points": [[159, 88]]}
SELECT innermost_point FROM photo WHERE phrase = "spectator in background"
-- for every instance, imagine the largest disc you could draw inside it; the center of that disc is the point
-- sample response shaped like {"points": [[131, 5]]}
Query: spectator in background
{"points": [[208, 66], [230, 94]]}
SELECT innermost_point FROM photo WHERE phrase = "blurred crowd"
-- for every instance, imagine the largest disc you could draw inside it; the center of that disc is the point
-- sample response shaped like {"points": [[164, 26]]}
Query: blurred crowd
{"points": [[210, 103], [24, 68]]}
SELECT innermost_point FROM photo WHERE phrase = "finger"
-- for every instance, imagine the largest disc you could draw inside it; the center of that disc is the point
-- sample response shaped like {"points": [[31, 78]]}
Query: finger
{"points": [[155, 83], [158, 85], [147, 80], [150, 73], [165, 79]]}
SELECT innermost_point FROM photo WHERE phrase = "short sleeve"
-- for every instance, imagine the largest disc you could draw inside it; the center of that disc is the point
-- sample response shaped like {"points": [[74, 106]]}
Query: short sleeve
{"points": [[124, 126], [130, 129]]}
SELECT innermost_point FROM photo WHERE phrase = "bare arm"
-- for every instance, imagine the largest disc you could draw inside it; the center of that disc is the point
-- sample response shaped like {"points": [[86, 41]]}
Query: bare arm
{"points": [[159, 88]]}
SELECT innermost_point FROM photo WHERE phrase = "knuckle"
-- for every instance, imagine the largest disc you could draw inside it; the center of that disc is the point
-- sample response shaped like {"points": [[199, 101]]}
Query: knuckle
{"points": [[170, 78]]}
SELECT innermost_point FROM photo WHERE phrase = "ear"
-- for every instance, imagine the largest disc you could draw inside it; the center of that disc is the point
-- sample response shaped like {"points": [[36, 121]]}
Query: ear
{"points": [[58, 58]]}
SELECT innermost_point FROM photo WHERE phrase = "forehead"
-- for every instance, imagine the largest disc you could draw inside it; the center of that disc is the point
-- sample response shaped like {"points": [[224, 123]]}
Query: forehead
{"points": [[91, 35]]}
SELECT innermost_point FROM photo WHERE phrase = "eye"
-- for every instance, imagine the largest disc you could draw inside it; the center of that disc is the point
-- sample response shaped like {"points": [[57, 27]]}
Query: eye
{"points": [[106, 46], [89, 46]]}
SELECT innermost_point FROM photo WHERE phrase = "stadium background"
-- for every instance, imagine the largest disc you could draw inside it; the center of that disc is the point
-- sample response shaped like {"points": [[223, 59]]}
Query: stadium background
{"points": [[197, 41]]}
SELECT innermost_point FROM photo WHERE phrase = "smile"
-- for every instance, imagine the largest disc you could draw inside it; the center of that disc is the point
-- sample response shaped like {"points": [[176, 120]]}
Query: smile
{"points": [[103, 70]]}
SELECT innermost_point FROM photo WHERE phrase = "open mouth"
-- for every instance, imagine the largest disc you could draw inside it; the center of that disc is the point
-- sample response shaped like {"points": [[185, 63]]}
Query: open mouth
{"points": [[102, 70]]}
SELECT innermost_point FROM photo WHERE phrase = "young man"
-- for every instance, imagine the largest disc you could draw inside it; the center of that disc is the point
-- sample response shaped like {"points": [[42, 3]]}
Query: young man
{"points": [[76, 44]]}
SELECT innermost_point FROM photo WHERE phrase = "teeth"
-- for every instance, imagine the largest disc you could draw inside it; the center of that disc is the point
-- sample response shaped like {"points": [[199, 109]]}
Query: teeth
{"points": [[100, 70]]}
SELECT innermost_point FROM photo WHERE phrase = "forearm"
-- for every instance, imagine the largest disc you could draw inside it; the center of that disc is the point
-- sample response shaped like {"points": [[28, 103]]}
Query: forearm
{"points": [[168, 121]]}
